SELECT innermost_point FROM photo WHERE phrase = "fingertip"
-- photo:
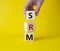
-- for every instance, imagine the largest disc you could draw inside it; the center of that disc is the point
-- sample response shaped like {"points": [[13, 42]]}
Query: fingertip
{"points": [[36, 13]]}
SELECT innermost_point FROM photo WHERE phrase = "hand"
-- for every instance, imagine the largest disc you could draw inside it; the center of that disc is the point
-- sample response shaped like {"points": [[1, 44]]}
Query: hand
{"points": [[31, 3]]}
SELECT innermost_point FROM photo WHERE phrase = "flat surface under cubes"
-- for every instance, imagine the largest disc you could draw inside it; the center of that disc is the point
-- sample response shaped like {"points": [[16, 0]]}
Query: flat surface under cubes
{"points": [[47, 34]]}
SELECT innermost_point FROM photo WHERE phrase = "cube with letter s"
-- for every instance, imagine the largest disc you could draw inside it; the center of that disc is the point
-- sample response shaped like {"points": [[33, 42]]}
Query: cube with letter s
{"points": [[30, 15]]}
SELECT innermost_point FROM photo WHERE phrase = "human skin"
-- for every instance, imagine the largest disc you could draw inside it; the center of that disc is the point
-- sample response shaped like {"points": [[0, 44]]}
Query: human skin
{"points": [[31, 3]]}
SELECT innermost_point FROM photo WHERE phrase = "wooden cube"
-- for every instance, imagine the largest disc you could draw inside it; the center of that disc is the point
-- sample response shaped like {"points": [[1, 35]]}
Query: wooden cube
{"points": [[29, 36], [30, 15], [29, 26]]}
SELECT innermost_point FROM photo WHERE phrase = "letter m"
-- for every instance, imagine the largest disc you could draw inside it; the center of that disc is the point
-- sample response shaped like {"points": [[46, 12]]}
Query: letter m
{"points": [[29, 36]]}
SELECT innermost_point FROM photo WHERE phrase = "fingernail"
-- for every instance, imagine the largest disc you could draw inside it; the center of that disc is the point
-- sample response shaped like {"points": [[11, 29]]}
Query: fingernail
{"points": [[36, 14]]}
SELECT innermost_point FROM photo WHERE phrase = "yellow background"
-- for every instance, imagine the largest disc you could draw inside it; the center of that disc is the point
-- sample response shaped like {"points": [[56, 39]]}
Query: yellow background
{"points": [[47, 34]]}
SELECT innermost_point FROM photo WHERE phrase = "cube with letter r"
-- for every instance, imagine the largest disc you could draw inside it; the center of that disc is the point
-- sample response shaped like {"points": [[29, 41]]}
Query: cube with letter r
{"points": [[30, 15], [29, 26]]}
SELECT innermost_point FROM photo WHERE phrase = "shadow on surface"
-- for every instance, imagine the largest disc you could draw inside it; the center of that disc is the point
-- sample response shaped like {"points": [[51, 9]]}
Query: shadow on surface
{"points": [[46, 37]]}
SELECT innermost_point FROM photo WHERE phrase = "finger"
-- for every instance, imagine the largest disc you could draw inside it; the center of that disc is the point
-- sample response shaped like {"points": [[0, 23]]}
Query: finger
{"points": [[25, 9], [28, 7], [37, 9], [38, 5]]}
